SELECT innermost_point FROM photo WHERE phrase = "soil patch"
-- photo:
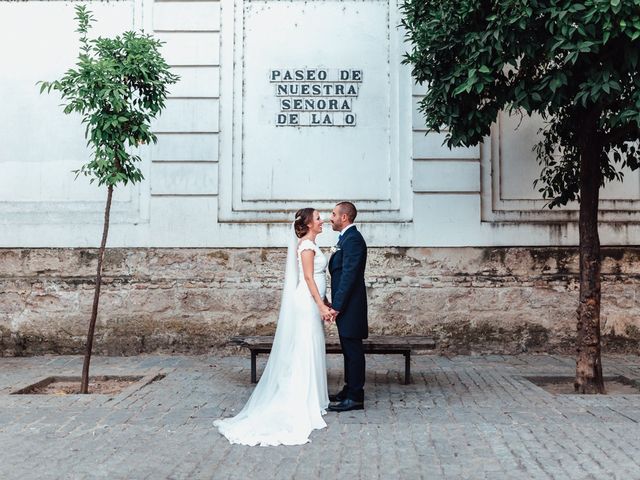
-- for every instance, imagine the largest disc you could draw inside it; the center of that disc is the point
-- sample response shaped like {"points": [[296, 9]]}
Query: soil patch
{"points": [[99, 385]]}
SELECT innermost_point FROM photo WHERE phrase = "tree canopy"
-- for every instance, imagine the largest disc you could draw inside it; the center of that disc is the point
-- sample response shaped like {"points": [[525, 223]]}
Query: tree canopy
{"points": [[118, 86], [573, 62]]}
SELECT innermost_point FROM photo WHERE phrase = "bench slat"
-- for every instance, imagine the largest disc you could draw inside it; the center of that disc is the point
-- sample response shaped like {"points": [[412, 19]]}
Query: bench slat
{"points": [[371, 344]]}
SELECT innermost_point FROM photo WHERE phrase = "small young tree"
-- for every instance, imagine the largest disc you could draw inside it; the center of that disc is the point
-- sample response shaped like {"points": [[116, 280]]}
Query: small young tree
{"points": [[119, 85], [574, 62]]}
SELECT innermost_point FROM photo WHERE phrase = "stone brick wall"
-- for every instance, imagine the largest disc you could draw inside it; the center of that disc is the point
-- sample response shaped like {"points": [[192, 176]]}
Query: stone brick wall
{"points": [[500, 300]]}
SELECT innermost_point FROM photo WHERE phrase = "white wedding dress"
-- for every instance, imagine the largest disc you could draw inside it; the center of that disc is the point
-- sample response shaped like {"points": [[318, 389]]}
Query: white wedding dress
{"points": [[291, 396]]}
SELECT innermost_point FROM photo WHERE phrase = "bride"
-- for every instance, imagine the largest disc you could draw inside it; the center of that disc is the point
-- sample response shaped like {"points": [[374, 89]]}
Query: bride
{"points": [[291, 396]]}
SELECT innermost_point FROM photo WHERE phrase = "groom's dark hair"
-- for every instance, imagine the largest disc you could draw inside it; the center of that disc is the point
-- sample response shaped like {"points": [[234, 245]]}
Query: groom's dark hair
{"points": [[349, 209]]}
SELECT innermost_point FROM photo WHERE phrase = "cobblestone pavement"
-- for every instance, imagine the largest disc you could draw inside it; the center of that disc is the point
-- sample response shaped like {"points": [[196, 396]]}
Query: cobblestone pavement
{"points": [[462, 418]]}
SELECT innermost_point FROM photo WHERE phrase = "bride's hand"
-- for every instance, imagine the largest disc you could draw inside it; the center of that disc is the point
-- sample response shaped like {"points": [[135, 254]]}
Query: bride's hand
{"points": [[325, 312]]}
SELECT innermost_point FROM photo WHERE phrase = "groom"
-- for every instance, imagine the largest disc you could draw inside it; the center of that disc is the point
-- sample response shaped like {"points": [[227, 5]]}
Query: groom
{"points": [[349, 305]]}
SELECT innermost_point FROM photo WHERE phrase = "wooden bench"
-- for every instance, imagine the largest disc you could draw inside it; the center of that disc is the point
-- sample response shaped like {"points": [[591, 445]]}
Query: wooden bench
{"points": [[382, 344]]}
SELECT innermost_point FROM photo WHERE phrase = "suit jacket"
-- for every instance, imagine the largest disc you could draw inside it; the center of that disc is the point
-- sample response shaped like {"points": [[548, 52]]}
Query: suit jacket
{"points": [[348, 291]]}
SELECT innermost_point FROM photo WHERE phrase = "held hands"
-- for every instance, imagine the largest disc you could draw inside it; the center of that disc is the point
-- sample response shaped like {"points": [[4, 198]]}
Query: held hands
{"points": [[327, 312]]}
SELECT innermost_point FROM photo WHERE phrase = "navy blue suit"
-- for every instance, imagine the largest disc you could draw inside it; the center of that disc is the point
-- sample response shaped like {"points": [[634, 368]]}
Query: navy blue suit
{"points": [[349, 297]]}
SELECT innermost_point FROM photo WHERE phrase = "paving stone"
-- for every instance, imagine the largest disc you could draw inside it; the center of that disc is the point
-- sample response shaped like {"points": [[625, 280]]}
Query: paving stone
{"points": [[465, 417]]}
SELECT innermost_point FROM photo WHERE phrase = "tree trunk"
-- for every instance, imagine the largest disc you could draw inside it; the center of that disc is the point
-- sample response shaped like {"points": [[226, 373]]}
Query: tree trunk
{"points": [[84, 388], [588, 363]]}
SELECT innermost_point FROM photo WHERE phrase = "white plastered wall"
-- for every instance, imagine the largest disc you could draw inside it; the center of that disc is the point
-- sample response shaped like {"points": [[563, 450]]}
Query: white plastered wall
{"points": [[193, 192]]}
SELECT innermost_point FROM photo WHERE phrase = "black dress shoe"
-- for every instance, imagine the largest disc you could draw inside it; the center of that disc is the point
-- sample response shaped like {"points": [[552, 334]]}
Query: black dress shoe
{"points": [[338, 397], [346, 405]]}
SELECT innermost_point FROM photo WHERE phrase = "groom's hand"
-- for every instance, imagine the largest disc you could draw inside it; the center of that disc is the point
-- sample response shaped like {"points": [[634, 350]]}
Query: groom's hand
{"points": [[334, 315]]}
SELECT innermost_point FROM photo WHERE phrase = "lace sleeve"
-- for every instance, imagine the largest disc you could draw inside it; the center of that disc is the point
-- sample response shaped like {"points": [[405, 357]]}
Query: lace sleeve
{"points": [[306, 245]]}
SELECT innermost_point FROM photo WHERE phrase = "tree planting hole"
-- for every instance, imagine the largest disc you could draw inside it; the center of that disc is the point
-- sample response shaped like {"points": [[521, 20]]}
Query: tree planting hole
{"points": [[618, 385], [98, 385]]}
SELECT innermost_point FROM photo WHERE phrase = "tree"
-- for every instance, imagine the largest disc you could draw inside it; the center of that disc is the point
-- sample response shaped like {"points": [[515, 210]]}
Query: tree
{"points": [[119, 85], [574, 62]]}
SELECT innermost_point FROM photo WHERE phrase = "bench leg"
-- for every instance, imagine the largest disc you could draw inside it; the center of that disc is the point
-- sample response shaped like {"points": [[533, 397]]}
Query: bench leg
{"points": [[407, 368], [253, 367]]}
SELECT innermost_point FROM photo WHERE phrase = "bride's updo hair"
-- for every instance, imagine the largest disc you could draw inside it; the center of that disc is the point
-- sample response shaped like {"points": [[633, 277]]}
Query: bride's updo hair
{"points": [[304, 217]]}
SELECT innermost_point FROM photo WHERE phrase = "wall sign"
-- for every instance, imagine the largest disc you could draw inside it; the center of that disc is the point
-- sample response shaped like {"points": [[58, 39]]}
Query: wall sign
{"points": [[316, 97]]}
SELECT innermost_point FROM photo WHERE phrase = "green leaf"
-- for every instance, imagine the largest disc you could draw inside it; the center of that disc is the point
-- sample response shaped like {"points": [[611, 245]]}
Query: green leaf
{"points": [[460, 89]]}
